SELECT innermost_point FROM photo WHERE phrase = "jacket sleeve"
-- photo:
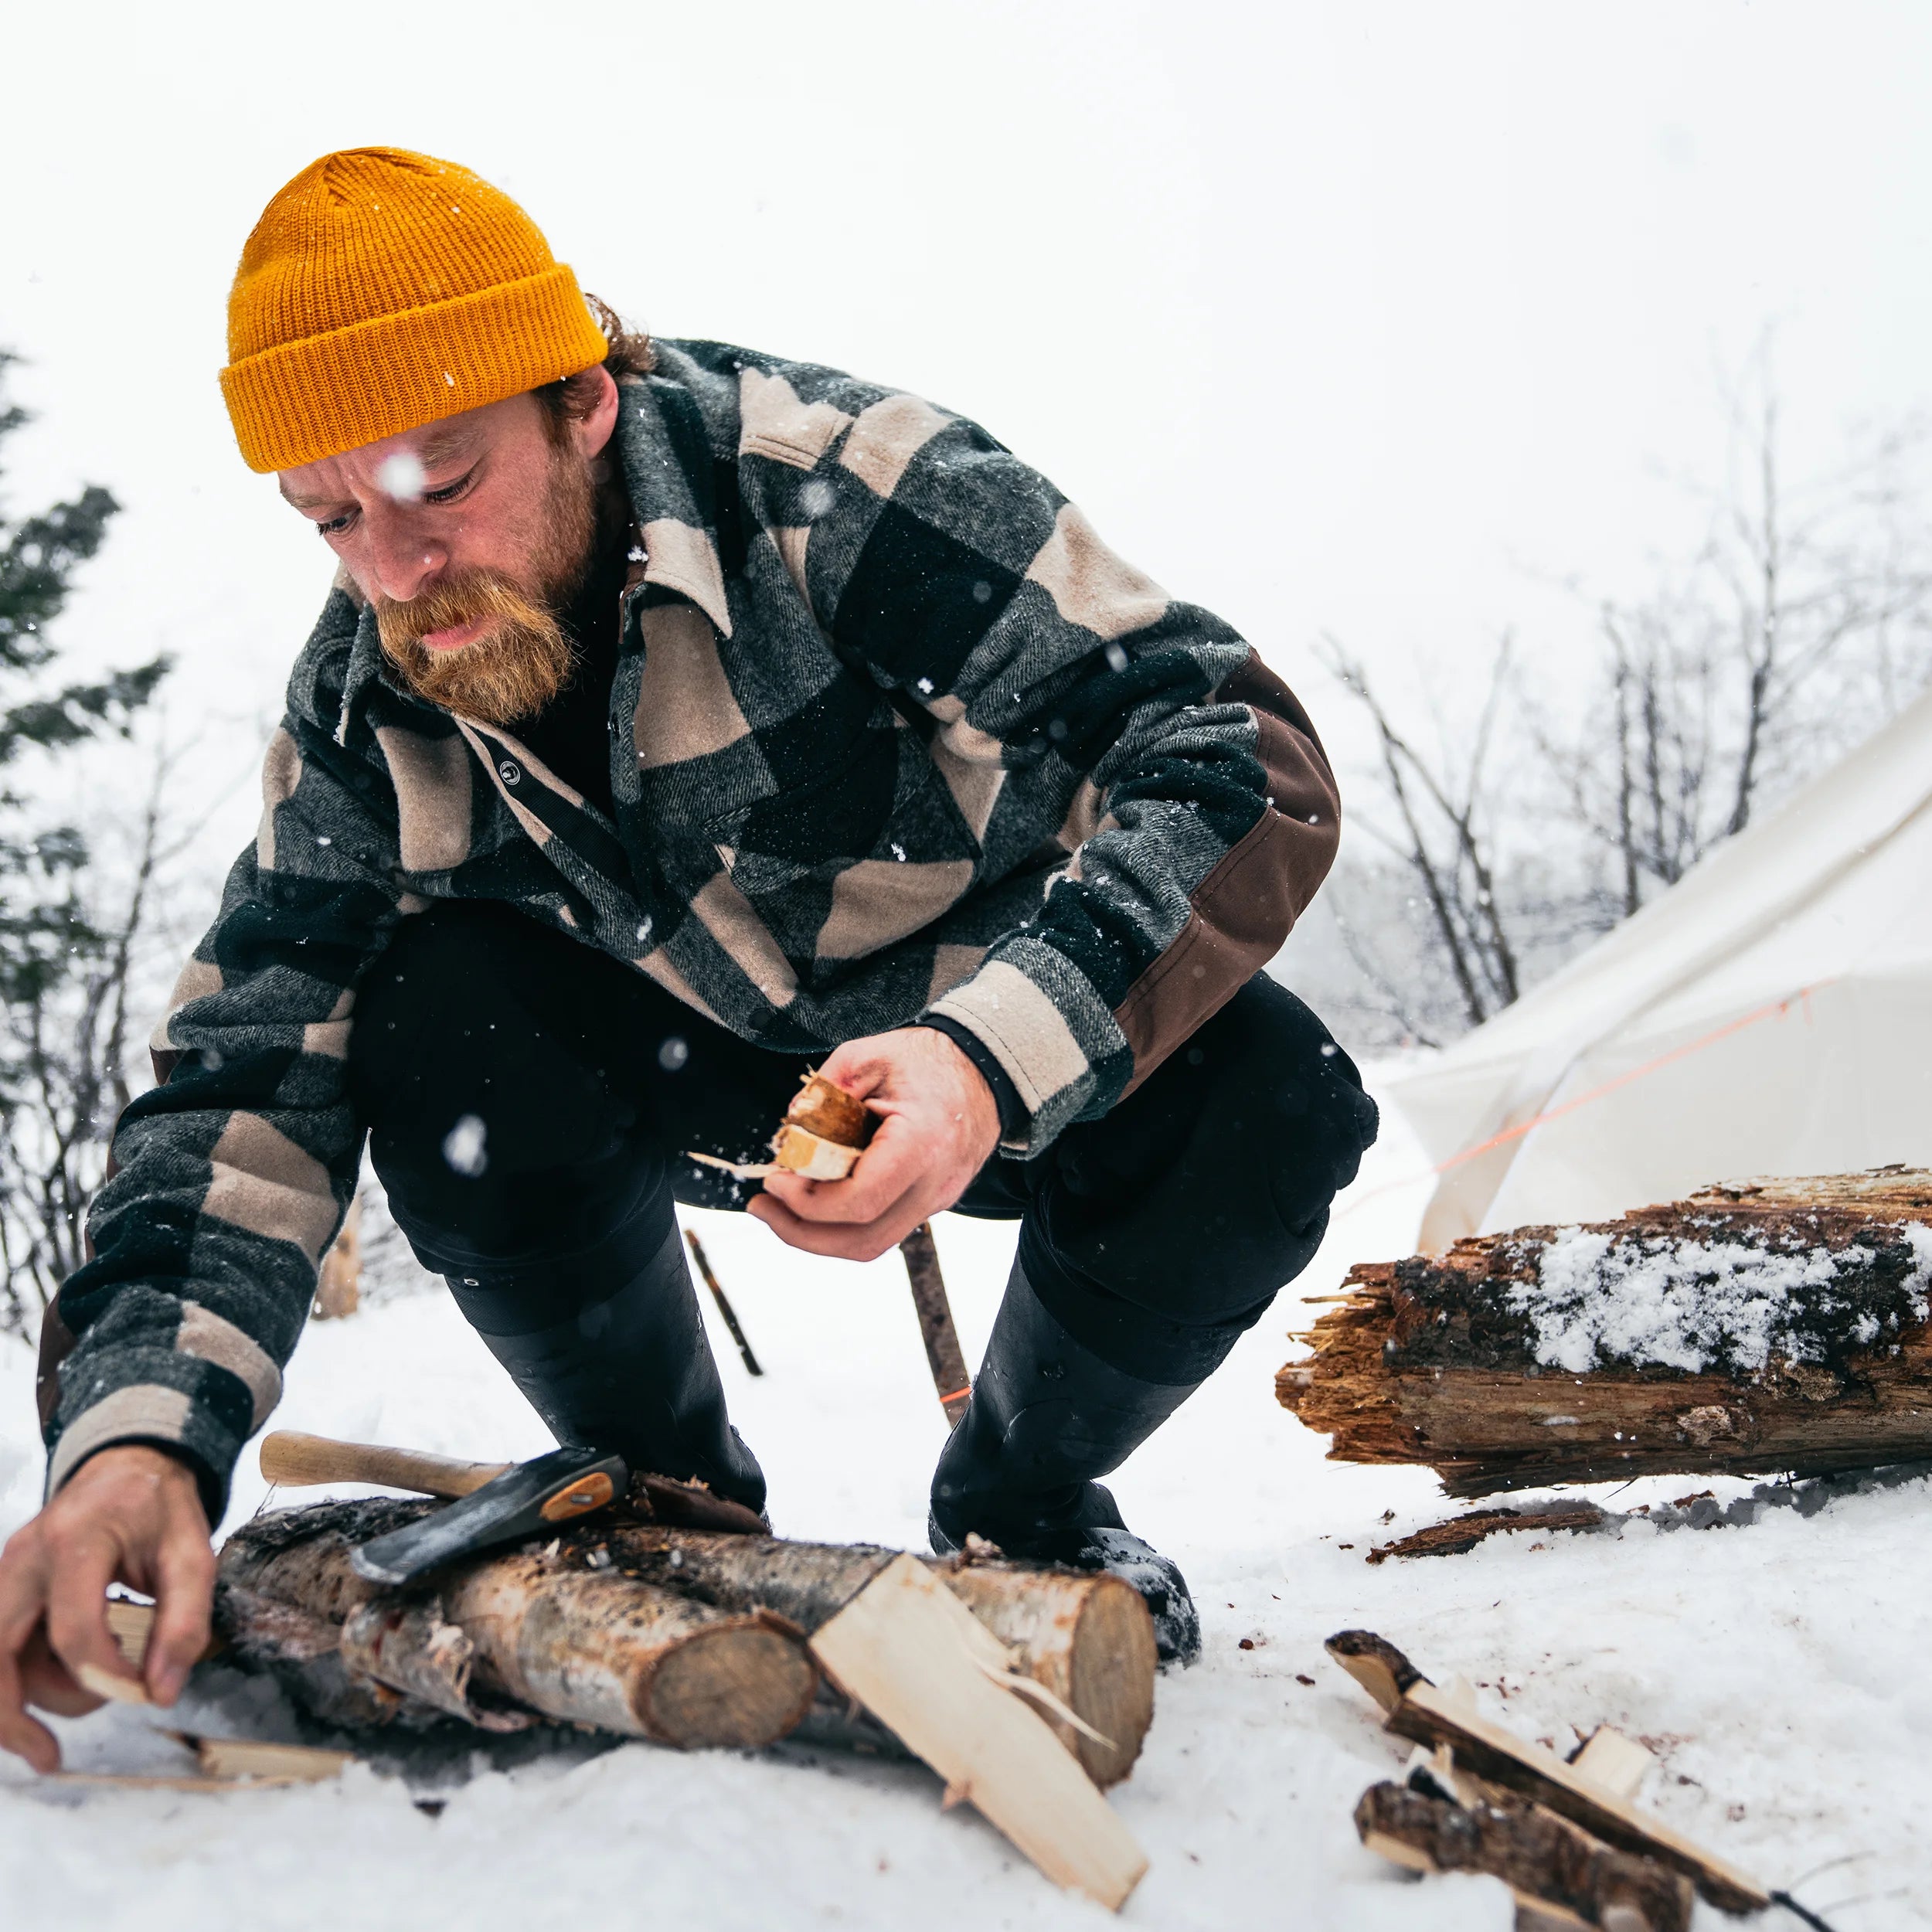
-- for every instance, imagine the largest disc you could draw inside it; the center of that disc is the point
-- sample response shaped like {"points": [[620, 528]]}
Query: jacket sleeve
{"points": [[230, 1177], [1197, 813]]}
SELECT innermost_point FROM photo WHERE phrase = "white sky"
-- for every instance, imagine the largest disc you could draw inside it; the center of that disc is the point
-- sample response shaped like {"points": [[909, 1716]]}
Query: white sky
{"points": [[1352, 317]]}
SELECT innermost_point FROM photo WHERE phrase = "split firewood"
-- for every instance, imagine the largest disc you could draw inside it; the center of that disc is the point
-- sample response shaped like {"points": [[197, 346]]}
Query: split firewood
{"points": [[908, 1649], [1558, 1873], [1084, 1636], [1417, 1709], [1767, 1325], [550, 1631]]}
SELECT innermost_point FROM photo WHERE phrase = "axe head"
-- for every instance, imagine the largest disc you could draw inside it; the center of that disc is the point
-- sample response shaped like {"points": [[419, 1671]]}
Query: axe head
{"points": [[522, 1501]]}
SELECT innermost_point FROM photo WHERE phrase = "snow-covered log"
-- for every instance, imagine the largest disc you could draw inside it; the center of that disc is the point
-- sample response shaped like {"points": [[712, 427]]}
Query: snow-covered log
{"points": [[1763, 1325]]}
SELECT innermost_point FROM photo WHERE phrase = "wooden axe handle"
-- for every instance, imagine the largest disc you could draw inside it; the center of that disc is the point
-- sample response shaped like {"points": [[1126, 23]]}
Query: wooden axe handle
{"points": [[296, 1461]]}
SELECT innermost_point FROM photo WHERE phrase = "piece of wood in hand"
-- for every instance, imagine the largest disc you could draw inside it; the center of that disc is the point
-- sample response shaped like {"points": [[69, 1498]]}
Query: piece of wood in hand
{"points": [[909, 1651], [825, 1110], [799, 1151], [106, 1683]]}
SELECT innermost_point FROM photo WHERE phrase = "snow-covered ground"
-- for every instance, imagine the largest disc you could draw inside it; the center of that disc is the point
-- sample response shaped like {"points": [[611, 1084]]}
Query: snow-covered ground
{"points": [[1776, 1670]]}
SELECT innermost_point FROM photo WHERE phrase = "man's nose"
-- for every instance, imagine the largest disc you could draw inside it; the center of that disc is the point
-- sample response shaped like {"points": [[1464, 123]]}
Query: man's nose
{"points": [[402, 561]]}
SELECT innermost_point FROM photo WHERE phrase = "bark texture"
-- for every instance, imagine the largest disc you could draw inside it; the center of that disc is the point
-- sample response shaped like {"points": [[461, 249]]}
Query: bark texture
{"points": [[1539, 1856], [684, 1635], [1450, 1361]]}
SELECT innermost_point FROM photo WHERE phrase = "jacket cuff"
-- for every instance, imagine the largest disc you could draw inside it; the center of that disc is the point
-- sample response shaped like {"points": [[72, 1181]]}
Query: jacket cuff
{"points": [[1012, 1113], [1043, 1024], [155, 1417]]}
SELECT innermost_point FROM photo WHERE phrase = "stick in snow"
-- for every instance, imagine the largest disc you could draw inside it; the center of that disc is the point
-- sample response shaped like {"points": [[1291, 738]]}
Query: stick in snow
{"points": [[724, 1305]]}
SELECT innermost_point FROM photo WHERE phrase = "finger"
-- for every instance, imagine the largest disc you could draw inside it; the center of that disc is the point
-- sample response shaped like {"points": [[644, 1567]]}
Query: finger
{"points": [[46, 1684], [857, 1067], [22, 1583], [83, 1566], [185, 1577], [840, 1240], [896, 1159], [24, 1736]]}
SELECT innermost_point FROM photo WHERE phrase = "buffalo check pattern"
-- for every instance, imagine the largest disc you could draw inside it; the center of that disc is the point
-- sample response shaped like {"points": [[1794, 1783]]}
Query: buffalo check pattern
{"points": [[895, 736]]}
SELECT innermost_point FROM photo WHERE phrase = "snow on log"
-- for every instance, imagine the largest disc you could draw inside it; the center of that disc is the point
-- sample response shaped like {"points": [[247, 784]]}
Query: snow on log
{"points": [[1773, 1324]]}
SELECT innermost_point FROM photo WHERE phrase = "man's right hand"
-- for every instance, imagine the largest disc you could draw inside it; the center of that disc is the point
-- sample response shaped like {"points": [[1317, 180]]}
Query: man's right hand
{"points": [[130, 1514]]}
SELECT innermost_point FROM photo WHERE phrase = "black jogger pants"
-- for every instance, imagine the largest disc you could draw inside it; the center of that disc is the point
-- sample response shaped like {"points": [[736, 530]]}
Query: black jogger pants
{"points": [[528, 1098]]}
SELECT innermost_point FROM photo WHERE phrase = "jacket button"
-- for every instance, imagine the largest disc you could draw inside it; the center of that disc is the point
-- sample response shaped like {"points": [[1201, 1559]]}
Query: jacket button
{"points": [[509, 771]]}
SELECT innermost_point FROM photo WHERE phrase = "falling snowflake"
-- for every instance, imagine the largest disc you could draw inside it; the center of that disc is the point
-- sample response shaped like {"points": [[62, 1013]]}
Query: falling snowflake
{"points": [[463, 1148], [401, 477], [672, 1055], [1116, 657]]}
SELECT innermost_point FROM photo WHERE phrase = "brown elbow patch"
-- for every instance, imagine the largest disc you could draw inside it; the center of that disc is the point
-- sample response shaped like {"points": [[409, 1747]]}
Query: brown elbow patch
{"points": [[1242, 911]]}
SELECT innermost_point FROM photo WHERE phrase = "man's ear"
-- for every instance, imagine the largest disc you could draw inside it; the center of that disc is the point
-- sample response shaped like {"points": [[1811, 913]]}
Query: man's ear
{"points": [[592, 430]]}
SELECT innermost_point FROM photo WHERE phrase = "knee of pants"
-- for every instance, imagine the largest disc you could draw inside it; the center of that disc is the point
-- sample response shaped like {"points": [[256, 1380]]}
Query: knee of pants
{"points": [[1208, 1189], [496, 1135]]}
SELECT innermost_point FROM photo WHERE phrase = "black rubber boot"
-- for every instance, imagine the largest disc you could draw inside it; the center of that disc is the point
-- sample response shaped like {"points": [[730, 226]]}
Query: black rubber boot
{"points": [[624, 1367], [1047, 1416]]}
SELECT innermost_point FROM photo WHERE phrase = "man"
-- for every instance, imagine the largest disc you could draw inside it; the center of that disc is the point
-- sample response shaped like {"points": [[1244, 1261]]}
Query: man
{"points": [[681, 718]]}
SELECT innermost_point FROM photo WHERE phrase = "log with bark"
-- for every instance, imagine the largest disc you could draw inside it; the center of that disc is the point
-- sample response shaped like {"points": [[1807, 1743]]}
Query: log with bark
{"points": [[1764, 1325], [1562, 1874], [685, 1636], [1479, 1763]]}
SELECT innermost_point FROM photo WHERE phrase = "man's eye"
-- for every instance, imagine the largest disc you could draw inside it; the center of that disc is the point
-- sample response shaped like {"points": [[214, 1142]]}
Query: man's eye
{"points": [[335, 525], [448, 493]]}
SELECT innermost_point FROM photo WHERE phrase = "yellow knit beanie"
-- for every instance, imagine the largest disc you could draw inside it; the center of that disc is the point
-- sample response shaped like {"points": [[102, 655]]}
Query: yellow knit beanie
{"points": [[382, 289]]}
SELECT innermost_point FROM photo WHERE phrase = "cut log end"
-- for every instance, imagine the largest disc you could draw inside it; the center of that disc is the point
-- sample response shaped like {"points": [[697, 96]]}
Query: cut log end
{"points": [[739, 1685]]}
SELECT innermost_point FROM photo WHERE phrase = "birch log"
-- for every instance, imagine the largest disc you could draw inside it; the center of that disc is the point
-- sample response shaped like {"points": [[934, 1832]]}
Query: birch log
{"points": [[501, 1641], [288, 1601], [1766, 1326]]}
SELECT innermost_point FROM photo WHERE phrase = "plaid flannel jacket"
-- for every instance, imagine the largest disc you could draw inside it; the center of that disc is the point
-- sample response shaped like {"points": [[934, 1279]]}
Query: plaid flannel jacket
{"points": [[894, 736]]}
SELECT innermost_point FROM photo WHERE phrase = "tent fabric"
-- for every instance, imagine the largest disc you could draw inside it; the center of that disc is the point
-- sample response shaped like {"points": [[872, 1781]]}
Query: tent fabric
{"points": [[1770, 1014]]}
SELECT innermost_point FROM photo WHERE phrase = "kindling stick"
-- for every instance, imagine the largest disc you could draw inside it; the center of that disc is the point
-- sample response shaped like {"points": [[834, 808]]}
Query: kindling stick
{"points": [[935, 1328], [724, 1306]]}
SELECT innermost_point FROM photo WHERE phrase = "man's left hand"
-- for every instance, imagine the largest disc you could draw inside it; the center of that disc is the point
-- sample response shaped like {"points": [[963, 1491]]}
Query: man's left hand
{"points": [[939, 1125]]}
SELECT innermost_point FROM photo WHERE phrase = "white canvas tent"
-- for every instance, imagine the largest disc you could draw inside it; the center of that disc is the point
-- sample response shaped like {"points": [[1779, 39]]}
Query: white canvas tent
{"points": [[1771, 1014]]}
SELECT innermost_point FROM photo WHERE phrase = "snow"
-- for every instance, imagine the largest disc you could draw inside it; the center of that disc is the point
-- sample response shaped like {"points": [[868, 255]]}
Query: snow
{"points": [[1775, 1668], [1601, 1298]]}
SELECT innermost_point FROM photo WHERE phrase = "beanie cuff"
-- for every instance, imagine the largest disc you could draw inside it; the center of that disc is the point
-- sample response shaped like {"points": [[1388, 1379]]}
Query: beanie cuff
{"points": [[306, 400]]}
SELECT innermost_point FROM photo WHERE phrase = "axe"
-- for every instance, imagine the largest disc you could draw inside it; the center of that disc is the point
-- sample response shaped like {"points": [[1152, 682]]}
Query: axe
{"points": [[496, 1502]]}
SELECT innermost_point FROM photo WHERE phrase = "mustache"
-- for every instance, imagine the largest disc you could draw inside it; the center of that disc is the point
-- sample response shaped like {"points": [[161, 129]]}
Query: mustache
{"points": [[473, 596], [522, 659]]}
